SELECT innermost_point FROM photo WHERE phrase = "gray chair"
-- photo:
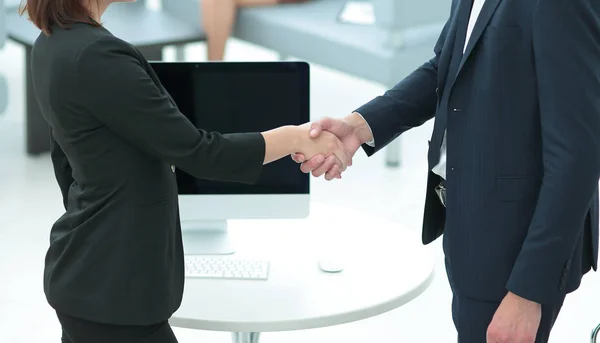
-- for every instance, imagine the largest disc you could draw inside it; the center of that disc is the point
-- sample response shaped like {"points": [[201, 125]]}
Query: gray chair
{"points": [[402, 39], [596, 334], [3, 83], [149, 30]]}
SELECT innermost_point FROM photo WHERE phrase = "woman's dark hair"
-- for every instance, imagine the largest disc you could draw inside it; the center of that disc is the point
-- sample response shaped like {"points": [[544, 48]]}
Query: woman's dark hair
{"points": [[45, 13]]}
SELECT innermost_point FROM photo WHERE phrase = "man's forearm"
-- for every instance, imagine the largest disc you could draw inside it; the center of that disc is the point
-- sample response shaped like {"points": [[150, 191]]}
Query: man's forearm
{"points": [[410, 103]]}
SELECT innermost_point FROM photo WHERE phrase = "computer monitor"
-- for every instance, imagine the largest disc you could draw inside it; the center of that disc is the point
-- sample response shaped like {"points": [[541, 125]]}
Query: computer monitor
{"points": [[230, 97]]}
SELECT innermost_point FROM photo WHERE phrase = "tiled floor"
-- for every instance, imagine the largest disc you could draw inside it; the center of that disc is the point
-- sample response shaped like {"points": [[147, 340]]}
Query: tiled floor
{"points": [[29, 203]]}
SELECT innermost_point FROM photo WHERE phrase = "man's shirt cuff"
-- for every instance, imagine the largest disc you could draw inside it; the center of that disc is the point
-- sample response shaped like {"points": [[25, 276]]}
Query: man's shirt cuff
{"points": [[370, 143]]}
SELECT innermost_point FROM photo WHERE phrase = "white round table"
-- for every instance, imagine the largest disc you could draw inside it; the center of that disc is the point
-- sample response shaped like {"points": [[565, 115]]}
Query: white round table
{"points": [[384, 267]]}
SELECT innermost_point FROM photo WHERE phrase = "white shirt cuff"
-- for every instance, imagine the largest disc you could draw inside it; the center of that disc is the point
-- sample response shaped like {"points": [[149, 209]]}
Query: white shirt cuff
{"points": [[370, 143]]}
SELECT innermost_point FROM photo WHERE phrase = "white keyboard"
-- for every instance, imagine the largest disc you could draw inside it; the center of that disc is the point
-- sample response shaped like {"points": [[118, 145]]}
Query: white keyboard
{"points": [[225, 267]]}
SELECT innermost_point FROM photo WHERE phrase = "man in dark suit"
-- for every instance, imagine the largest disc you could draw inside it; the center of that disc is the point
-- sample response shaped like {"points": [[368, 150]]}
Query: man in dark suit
{"points": [[514, 158]]}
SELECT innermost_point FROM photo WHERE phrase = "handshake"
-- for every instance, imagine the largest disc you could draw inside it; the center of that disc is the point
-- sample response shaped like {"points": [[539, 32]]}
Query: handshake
{"points": [[330, 145]]}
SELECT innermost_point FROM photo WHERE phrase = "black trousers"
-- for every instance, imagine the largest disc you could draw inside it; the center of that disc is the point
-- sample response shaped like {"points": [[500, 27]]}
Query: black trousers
{"points": [[472, 318], [81, 331]]}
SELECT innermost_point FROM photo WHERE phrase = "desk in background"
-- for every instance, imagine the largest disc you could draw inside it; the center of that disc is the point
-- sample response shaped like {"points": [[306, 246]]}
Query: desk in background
{"points": [[385, 267]]}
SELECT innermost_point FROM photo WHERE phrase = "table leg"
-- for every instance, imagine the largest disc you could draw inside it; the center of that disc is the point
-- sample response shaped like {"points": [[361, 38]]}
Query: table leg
{"points": [[37, 131], [180, 53], [392, 154], [245, 337], [3, 94]]}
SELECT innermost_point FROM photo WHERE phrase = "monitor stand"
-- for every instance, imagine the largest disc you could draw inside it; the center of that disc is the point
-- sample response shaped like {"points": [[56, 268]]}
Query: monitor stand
{"points": [[209, 237]]}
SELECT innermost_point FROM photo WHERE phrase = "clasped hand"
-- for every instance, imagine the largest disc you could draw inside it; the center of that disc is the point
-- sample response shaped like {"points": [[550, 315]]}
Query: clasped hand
{"points": [[324, 147], [327, 164]]}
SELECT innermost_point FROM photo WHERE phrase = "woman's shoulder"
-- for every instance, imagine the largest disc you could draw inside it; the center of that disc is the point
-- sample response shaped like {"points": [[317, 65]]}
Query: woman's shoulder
{"points": [[101, 41], [102, 49], [82, 41]]}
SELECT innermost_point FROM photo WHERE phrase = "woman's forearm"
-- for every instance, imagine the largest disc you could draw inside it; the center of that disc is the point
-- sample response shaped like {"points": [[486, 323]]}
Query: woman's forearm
{"points": [[287, 140], [281, 142]]}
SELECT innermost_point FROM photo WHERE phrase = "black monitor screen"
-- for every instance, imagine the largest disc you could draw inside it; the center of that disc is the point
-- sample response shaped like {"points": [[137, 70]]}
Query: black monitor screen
{"points": [[241, 97]]}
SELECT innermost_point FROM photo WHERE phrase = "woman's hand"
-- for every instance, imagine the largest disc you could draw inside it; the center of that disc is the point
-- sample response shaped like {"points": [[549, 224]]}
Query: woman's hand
{"points": [[325, 145], [287, 140]]}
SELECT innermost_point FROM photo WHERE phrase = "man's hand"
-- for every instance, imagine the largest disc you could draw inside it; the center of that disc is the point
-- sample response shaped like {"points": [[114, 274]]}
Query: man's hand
{"points": [[516, 321], [352, 131], [325, 144]]}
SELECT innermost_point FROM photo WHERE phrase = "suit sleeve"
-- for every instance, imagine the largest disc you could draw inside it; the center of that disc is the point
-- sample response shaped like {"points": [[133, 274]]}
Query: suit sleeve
{"points": [[410, 103], [566, 43], [119, 92], [62, 169]]}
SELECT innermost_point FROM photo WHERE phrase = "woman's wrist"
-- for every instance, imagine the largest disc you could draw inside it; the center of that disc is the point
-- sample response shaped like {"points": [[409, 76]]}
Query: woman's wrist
{"points": [[292, 138], [282, 141], [299, 134]]}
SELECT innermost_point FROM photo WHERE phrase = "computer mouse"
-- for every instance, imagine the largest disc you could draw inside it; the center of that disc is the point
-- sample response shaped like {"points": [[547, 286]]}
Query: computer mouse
{"points": [[330, 265]]}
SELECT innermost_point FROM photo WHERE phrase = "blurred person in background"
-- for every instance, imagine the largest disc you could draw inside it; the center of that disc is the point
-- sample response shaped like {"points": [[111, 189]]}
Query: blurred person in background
{"points": [[218, 18]]}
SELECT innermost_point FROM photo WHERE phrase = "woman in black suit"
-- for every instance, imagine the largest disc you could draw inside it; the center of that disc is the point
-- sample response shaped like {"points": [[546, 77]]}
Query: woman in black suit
{"points": [[114, 271]]}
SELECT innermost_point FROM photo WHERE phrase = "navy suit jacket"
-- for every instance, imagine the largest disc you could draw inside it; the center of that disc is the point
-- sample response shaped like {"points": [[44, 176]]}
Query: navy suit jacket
{"points": [[521, 108]]}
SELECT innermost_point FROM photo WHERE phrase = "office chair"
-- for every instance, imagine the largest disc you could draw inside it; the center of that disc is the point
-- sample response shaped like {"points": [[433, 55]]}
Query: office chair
{"points": [[3, 83], [595, 334]]}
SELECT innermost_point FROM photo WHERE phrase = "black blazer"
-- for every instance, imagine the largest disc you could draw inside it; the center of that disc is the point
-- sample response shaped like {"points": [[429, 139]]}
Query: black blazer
{"points": [[116, 255], [522, 112]]}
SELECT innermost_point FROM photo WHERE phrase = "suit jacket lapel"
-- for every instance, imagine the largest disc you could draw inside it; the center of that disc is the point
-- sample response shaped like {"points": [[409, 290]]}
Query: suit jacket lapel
{"points": [[489, 7], [448, 50], [451, 58], [460, 32]]}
